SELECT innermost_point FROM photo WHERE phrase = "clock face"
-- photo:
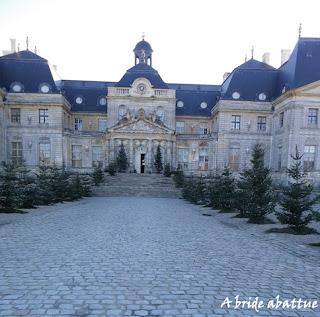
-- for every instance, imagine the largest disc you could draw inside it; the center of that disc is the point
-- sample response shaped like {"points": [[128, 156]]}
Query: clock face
{"points": [[141, 89]]}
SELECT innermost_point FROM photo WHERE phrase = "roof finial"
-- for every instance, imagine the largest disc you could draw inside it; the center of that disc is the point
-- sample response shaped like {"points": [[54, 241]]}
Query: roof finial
{"points": [[27, 42], [300, 29], [143, 36], [35, 49], [245, 58], [18, 47], [252, 51]]}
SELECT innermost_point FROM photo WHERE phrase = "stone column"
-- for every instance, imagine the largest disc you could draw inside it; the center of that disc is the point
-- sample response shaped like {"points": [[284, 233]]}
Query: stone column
{"points": [[131, 167], [174, 154], [150, 155], [111, 150]]}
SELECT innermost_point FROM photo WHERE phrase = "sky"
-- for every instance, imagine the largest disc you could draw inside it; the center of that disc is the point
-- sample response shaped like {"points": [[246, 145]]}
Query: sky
{"points": [[194, 41]]}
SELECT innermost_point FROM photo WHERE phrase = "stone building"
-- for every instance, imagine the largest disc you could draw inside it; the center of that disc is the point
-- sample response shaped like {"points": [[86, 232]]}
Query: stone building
{"points": [[200, 128]]}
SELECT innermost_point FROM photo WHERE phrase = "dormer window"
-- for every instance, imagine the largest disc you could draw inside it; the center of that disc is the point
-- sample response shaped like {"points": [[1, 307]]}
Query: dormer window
{"points": [[262, 96], [44, 88], [16, 87], [236, 95], [180, 104], [79, 100], [203, 105], [102, 101]]}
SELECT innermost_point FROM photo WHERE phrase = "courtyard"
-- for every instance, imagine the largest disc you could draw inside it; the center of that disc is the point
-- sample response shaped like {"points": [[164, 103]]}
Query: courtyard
{"points": [[133, 256]]}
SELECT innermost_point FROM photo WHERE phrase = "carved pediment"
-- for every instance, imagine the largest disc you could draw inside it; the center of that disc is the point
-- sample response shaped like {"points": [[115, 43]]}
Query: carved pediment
{"points": [[140, 125]]}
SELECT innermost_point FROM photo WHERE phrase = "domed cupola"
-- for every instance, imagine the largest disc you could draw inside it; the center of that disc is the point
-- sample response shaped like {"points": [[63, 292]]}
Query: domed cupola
{"points": [[143, 53]]}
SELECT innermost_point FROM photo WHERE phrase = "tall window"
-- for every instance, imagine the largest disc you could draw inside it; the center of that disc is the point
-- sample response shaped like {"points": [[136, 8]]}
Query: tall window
{"points": [[121, 112], [279, 163], [309, 157], [76, 155], [180, 127], [43, 116], [312, 116], [78, 124], [102, 125], [235, 123], [262, 123], [183, 157], [203, 128], [160, 114], [44, 153], [15, 115], [97, 158], [234, 158], [203, 158], [281, 119], [16, 153]]}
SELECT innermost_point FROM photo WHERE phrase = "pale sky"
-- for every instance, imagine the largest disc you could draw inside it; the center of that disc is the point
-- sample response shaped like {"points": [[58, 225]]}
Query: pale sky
{"points": [[193, 41]]}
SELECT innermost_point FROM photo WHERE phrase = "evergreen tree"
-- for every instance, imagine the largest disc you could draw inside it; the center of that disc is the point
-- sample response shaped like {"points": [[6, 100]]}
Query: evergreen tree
{"points": [[158, 160], [255, 188], [213, 191], [296, 198], [225, 190], [178, 178], [44, 183], [112, 168], [167, 170], [194, 190], [98, 175], [28, 186], [10, 195], [122, 160]]}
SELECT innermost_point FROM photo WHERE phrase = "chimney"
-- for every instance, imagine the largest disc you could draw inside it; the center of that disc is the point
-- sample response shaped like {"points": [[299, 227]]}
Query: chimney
{"points": [[225, 75], [13, 45], [266, 58], [55, 67], [285, 54]]}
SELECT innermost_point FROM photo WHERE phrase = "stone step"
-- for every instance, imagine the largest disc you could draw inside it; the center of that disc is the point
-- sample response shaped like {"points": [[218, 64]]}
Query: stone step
{"points": [[137, 185]]}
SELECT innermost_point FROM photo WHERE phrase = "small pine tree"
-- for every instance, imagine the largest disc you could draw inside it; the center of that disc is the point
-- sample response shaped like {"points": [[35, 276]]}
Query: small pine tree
{"points": [[28, 186], [10, 194], [75, 187], [44, 183], [167, 170], [158, 160], [296, 198], [178, 178], [194, 190], [225, 191], [256, 191], [97, 175], [112, 168], [122, 160], [213, 191]]}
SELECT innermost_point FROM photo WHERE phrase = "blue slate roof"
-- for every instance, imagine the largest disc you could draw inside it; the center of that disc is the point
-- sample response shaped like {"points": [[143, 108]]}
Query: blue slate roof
{"points": [[90, 92], [192, 96], [143, 45], [303, 66], [249, 80], [145, 71], [26, 68]]}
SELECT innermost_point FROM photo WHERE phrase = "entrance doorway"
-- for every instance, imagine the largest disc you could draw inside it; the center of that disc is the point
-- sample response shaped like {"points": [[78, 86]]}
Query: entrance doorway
{"points": [[142, 163]]}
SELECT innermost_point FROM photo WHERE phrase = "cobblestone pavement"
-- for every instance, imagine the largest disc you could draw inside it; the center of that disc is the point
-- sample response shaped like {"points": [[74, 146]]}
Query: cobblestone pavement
{"points": [[142, 257]]}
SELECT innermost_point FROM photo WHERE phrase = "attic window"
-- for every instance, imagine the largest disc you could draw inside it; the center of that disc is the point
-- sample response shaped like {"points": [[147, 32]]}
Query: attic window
{"points": [[203, 105], [44, 88], [102, 101], [262, 96], [236, 95], [16, 87], [79, 100], [180, 104]]}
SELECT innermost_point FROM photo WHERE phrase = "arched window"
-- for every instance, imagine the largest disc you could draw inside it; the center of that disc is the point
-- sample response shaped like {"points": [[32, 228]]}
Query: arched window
{"points": [[160, 114], [234, 157], [122, 111]]}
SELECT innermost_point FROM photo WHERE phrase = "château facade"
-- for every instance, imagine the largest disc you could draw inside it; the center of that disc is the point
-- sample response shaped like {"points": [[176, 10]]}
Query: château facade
{"points": [[200, 128]]}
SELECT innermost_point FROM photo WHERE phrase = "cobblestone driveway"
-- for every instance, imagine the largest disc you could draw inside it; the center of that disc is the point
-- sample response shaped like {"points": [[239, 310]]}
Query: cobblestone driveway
{"points": [[142, 257]]}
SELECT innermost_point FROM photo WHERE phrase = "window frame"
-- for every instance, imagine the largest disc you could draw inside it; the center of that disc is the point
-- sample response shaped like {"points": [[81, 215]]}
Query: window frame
{"points": [[309, 157], [17, 153], [180, 127], [45, 159], [76, 161], [43, 116], [236, 122], [78, 124], [313, 118], [262, 125], [16, 115]]}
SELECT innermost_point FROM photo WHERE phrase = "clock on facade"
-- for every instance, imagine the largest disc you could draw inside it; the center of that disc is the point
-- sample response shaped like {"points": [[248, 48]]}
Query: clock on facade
{"points": [[141, 88]]}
